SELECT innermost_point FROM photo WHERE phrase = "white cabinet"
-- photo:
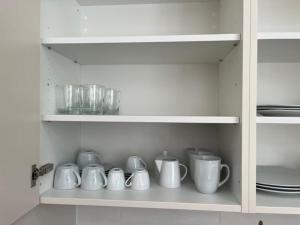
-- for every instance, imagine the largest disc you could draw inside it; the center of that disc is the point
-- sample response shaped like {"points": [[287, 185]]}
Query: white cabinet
{"points": [[191, 74], [274, 80]]}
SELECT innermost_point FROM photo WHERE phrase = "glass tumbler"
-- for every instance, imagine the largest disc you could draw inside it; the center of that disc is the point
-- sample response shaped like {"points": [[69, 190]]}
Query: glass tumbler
{"points": [[67, 99], [92, 99], [112, 99]]}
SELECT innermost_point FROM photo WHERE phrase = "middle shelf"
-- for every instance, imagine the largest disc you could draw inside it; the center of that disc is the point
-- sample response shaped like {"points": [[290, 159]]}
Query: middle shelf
{"points": [[161, 49], [186, 197], [142, 119]]}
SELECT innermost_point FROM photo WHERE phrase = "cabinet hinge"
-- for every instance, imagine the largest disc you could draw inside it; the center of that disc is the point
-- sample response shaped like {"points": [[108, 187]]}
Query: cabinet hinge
{"points": [[38, 172]]}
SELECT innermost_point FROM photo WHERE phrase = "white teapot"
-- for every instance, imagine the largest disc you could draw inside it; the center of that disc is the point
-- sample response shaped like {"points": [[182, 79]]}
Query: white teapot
{"points": [[168, 168]]}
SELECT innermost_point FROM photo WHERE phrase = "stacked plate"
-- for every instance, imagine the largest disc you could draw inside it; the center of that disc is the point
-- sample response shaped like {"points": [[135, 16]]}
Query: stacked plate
{"points": [[278, 180], [279, 110]]}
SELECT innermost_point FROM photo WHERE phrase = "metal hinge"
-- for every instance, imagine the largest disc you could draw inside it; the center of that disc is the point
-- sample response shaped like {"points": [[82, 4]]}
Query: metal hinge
{"points": [[38, 172]]}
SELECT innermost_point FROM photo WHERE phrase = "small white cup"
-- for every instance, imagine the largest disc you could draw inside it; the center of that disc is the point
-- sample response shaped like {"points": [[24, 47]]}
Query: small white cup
{"points": [[139, 180], [116, 180], [67, 177], [207, 173], [135, 162], [85, 158], [192, 154], [93, 177]]}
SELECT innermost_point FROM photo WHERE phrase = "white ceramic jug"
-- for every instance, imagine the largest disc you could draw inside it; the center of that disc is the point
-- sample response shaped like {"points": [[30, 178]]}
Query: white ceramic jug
{"points": [[169, 172]]}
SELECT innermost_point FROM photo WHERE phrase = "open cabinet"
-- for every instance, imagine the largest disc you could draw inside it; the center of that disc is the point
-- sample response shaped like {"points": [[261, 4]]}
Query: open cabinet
{"points": [[274, 80], [183, 71]]}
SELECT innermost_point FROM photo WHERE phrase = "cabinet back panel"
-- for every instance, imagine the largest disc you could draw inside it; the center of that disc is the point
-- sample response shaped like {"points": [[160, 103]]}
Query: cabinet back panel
{"points": [[160, 89], [116, 141], [278, 83], [150, 19], [278, 16], [278, 145]]}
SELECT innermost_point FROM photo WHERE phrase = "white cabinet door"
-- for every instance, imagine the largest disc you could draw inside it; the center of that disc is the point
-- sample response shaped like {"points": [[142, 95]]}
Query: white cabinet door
{"points": [[19, 106]]}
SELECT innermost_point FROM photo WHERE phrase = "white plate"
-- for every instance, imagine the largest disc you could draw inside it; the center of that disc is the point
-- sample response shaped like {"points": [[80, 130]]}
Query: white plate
{"points": [[278, 188], [277, 191], [277, 176], [280, 112]]}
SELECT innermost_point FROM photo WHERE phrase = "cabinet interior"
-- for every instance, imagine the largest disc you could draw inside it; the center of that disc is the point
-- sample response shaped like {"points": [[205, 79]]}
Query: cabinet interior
{"points": [[148, 88], [277, 84]]}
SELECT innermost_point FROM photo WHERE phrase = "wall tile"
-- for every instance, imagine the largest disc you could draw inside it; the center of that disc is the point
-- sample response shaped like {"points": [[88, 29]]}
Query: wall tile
{"points": [[98, 215]]}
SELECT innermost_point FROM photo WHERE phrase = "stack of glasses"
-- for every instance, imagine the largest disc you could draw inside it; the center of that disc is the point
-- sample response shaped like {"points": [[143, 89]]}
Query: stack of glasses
{"points": [[90, 99]]}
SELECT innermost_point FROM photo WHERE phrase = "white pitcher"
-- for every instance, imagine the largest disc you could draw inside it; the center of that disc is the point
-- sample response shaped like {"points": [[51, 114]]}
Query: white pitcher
{"points": [[169, 171]]}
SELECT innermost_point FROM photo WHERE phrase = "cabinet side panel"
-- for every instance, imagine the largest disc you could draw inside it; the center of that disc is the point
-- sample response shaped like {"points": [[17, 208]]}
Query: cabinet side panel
{"points": [[19, 114], [59, 141], [60, 18]]}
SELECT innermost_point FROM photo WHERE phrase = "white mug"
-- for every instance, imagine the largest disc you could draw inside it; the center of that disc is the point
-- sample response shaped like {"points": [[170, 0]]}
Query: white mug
{"points": [[93, 177], [135, 162], [207, 173], [85, 158], [67, 177], [116, 180], [139, 180], [193, 153]]}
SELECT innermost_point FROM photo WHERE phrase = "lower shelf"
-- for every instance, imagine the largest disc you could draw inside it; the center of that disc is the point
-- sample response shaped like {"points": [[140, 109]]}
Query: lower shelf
{"points": [[185, 198], [278, 204]]}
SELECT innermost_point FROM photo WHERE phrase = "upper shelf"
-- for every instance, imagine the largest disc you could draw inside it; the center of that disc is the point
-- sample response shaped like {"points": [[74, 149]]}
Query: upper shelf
{"points": [[125, 2], [142, 119], [279, 47], [168, 49]]}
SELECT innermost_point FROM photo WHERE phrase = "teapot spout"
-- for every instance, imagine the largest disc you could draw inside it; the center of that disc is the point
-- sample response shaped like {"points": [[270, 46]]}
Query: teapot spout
{"points": [[158, 164]]}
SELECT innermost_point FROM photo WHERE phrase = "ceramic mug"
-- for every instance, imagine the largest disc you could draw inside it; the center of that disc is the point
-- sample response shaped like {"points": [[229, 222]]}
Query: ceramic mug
{"points": [[85, 158], [139, 180], [193, 153], [135, 162], [207, 173], [93, 177], [67, 177], [116, 180]]}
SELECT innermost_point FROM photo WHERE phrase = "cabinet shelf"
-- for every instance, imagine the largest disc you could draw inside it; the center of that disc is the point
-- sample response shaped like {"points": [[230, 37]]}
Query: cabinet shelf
{"points": [[278, 120], [166, 49], [279, 204], [126, 2], [142, 119], [279, 36], [186, 198], [279, 47]]}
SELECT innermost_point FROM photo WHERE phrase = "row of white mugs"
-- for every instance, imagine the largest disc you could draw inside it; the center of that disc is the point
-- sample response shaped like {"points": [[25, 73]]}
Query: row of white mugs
{"points": [[205, 169], [93, 178]]}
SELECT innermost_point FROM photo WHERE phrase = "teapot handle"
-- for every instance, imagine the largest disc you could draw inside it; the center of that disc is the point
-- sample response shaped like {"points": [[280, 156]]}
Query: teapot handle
{"points": [[185, 172]]}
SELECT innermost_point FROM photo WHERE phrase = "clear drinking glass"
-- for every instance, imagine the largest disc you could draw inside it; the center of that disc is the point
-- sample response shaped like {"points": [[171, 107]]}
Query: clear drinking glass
{"points": [[92, 99], [112, 99], [67, 99]]}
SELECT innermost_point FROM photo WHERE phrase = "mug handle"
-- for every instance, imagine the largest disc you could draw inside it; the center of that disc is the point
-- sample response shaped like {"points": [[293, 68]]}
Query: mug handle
{"points": [[144, 163], [227, 176], [104, 178], [185, 172], [129, 179], [78, 177]]}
